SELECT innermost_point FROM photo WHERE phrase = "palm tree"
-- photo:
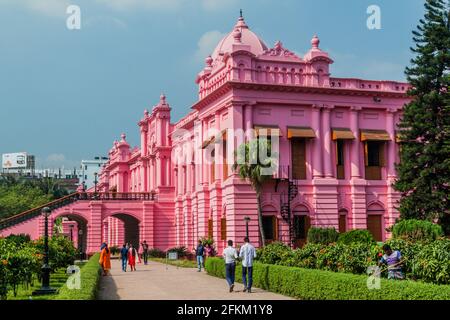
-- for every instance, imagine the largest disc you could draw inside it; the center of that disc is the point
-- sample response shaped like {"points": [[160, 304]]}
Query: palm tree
{"points": [[250, 167]]}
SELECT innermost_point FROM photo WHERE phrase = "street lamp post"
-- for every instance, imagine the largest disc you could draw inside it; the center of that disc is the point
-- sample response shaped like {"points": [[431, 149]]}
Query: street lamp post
{"points": [[80, 242], [247, 220], [45, 288], [95, 182]]}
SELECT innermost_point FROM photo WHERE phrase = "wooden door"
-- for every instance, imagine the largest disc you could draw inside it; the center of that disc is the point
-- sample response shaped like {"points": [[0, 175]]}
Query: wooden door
{"points": [[342, 222], [298, 160], [374, 225]]}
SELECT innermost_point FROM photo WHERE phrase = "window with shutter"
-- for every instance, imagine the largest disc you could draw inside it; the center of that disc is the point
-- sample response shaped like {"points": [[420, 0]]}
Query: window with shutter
{"points": [[224, 155], [340, 171], [374, 159], [298, 147], [223, 229], [210, 228]]}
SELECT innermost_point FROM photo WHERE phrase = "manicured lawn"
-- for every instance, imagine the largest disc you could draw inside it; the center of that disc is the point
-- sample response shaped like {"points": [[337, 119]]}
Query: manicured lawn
{"points": [[57, 280], [179, 263]]}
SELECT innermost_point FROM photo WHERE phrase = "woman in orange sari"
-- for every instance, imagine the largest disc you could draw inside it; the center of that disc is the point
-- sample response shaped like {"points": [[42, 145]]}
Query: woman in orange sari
{"points": [[105, 260]]}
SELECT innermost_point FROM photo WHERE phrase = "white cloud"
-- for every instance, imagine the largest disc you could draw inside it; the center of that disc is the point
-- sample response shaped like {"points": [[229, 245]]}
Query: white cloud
{"points": [[217, 5], [105, 21], [54, 161], [125, 5], [54, 8], [207, 42]]}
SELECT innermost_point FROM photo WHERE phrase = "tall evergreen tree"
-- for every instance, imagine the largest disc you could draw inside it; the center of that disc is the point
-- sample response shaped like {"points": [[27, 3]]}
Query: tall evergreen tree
{"points": [[424, 168]]}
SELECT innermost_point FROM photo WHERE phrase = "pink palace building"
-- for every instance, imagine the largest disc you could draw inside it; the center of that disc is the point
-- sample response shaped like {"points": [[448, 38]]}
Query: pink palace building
{"points": [[337, 149]]}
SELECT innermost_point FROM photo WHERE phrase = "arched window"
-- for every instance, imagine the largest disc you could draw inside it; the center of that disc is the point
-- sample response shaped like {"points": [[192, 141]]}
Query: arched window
{"points": [[375, 213]]}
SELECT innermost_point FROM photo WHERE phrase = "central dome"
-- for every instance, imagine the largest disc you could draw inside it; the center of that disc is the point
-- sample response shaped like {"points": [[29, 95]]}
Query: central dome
{"points": [[247, 37]]}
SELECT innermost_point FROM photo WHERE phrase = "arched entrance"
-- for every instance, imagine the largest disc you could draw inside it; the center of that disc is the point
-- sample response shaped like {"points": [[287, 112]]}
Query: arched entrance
{"points": [[302, 223], [121, 228], [375, 213], [74, 227]]}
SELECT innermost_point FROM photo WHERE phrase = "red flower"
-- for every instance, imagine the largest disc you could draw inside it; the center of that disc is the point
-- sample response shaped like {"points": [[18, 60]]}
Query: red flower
{"points": [[380, 254]]}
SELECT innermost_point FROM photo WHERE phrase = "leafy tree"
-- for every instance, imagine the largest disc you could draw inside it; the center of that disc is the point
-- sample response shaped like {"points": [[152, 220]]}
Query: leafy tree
{"points": [[250, 167], [424, 170], [19, 198]]}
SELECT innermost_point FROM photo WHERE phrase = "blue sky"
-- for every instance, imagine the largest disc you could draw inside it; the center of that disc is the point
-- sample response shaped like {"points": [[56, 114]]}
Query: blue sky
{"points": [[65, 95]]}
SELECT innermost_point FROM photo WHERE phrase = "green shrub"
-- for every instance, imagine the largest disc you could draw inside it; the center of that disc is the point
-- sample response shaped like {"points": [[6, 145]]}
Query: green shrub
{"points": [[322, 235], [273, 253], [90, 275], [309, 284], [62, 253], [114, 250], [181, 251], [156, 253], [417, 230], [357, 235], [432, 262]]}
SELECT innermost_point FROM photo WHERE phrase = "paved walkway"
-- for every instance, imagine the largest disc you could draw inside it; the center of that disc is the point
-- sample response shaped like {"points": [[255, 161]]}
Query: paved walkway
{"points": [[157, 281]]}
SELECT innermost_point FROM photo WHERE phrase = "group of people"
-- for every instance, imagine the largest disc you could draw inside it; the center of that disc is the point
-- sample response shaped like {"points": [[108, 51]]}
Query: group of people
{"points": [[247, 253], [128, 255]]}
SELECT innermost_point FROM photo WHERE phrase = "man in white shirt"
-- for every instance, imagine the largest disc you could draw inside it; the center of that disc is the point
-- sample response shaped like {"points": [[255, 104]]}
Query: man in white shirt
{"points": [[247, 254], [230, 256]]}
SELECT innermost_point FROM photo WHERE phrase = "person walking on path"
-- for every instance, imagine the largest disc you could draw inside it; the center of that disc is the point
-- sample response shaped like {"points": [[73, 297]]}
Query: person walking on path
{"points": [[199, 253], [132, 255], [247, 254], [124, 257], [105, 259], [145, 252], [230, 256]]}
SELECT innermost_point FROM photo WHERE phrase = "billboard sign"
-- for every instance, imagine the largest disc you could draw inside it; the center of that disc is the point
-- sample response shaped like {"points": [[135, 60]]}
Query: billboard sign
{"points": [[16, 160]]}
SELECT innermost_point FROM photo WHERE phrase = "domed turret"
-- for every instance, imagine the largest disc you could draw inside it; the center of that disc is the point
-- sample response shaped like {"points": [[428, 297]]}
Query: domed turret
{"points": [[243, 35]]}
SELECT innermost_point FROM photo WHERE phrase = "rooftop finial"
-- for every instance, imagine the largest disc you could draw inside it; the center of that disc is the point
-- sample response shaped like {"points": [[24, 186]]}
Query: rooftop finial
{"points": [[240, 13]]}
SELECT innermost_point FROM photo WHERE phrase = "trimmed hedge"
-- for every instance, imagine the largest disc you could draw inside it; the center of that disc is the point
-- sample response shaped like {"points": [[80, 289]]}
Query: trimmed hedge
{"points": [[322, 235], [356, 236], [417, 230], [325, 285], [90, 278]]}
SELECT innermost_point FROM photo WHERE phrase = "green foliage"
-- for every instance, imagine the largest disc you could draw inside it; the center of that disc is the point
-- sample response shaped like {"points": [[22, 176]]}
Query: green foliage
{"points": [[424, 168], [309, 284], [181, 251], [429, 262], [416, 230], [18, 198], [62, 253], [90, 278], [18, 239], [114, 250], [432, 263], [356, 236], [251, 167], [18, 263], [156, 253], [273, 253], [322, 235], [21, 194]]}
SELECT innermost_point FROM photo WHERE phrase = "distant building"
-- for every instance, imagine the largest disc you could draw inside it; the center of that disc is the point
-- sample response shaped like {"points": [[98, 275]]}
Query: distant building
{"points": [[89, 168]]}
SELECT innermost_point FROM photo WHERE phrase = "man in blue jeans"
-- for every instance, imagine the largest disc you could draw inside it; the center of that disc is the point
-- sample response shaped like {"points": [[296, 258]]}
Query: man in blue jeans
{"points": [[199, 253], [124, 257], [230, 256], [247, 254]]}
